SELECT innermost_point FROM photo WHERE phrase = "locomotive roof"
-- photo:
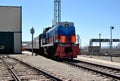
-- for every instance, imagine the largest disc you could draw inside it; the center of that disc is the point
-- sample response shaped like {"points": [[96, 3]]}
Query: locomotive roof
{"points": [[61, 23]]}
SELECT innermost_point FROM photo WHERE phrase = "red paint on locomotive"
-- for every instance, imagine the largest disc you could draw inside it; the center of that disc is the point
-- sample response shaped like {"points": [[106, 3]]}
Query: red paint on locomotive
{"points": [[65, 51]]}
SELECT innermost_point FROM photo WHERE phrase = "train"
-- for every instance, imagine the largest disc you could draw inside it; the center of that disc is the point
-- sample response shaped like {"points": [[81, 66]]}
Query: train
{"points": [[59, 41]]}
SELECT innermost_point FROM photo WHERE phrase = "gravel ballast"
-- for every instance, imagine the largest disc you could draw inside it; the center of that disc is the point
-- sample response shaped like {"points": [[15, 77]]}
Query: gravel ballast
{"points": [[106, 58], [60, 69]]}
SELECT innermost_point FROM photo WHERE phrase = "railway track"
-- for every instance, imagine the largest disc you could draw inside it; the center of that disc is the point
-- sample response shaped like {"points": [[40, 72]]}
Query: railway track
{"points": [[4, 73], [16, 70], [108, 72]]}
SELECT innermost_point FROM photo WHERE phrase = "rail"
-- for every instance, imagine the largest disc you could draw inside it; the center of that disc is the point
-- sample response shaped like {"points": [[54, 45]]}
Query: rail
{"points": [[104, 70], [11, 71], [53, 78]]}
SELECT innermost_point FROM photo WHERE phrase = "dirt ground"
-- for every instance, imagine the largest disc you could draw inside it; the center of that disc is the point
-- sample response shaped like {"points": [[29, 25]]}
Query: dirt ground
{"points": [[107, 58]]}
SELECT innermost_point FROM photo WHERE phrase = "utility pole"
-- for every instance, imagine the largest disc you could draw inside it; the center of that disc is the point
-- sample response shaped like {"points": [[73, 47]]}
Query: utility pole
{"points": [[111, 28], [32, 31], [57, 11], [100, 41]]}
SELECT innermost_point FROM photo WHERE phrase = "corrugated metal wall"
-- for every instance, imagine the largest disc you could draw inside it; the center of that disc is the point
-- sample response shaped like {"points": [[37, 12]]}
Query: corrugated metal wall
{"points": [[10, 29]]}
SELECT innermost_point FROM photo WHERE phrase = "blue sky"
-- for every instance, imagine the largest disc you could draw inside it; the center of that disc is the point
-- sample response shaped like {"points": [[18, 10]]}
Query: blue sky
{"points": [[90, 17]]}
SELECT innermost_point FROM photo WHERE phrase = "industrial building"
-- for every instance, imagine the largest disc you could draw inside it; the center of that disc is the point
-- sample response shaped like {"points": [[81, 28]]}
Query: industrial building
{"points": [[10, 29]]}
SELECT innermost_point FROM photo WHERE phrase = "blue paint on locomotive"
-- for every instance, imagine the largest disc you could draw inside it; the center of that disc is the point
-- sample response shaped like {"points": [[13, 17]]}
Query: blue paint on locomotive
{"points": [[60, 30], [66, 31]]}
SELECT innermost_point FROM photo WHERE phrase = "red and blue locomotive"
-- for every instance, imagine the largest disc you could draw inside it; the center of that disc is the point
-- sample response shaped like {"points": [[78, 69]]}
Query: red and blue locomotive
{"points": [[60, 41]]}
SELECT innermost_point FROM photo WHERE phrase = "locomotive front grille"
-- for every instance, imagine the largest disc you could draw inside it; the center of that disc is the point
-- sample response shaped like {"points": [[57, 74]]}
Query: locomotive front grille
{"points": [[68, 49]]}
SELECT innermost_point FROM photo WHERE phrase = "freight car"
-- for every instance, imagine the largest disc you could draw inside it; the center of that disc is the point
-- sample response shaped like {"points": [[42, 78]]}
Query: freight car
{"points": [[58, 41]]}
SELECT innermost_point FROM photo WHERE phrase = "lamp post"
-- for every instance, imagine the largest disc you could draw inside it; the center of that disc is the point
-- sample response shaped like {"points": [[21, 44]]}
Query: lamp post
{"points": [[32, 31], [100, 40], [111, 28]]}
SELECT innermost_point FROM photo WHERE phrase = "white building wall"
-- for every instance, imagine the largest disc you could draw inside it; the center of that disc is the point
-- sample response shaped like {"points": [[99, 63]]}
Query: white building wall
{"points": [[17, 43], [10, 19]]}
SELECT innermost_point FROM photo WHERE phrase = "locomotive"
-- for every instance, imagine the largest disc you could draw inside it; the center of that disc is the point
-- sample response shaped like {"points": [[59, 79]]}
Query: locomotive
{"points": [[58, 41]]}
